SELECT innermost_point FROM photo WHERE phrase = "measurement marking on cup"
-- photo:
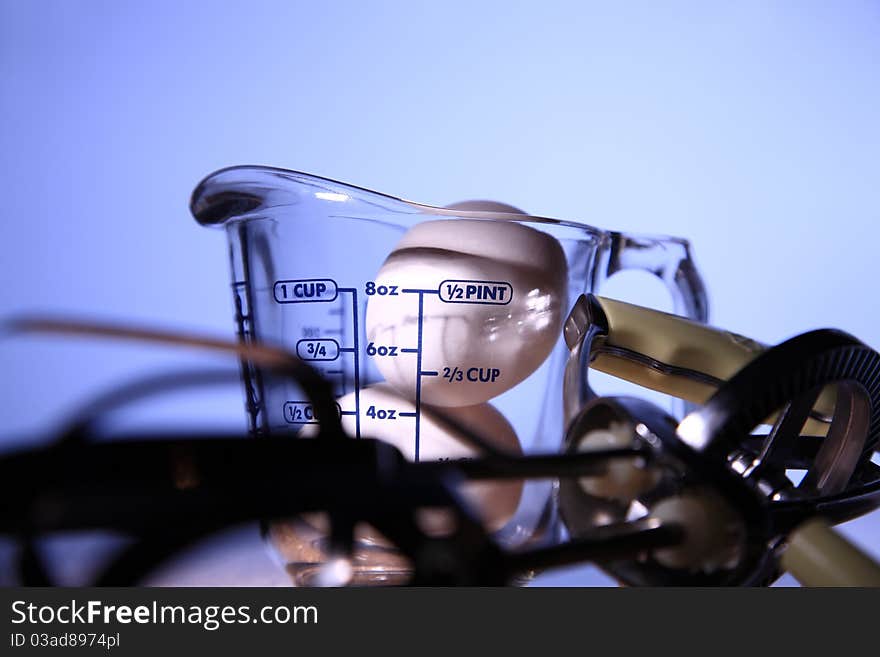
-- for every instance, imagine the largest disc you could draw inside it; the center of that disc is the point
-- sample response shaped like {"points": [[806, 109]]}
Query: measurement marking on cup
{"points": [[419, 373], [306, 290], [419, 377], [356, 352], [343, 364], [302, 412], [419, 369], [497, 293], [455, 291], [382, 413], [382, 290], [318, 350], [316, 347], [381, 350], [472, 374]]}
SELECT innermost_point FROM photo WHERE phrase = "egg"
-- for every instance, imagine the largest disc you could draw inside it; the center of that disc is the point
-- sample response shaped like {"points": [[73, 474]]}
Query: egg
{"points": [[623, 479], [469, 309], [713, 531], [384, 416]]}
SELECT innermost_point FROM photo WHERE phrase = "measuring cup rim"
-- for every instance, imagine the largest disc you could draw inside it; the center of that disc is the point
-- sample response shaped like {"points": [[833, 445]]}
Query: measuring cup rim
{"points": [[236, 191]]}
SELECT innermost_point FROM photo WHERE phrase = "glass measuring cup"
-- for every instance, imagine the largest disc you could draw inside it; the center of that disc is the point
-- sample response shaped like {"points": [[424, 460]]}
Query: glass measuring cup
{"points": [[409, 308]]}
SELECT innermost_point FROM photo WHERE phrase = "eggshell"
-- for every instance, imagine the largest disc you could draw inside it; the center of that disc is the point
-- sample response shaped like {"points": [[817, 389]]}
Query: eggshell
{"points": [[473, 346]]}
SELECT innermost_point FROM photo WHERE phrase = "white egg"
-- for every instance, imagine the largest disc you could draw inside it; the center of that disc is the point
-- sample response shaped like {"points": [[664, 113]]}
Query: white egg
{"points": [[713, 531], [381, 417], [623, 479], [493, 301]]}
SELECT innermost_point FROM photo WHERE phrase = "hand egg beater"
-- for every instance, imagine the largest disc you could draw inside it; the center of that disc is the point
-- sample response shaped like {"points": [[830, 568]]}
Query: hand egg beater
{"points": [[645, 498], [818, 395]]}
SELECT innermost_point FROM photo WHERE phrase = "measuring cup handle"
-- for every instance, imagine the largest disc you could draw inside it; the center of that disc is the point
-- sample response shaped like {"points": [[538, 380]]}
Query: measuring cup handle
{"points": [[669, 259]]}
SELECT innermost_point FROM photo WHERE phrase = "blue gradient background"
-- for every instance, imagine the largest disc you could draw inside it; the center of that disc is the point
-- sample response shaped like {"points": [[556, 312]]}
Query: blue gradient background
{"points": [[751, 128]]}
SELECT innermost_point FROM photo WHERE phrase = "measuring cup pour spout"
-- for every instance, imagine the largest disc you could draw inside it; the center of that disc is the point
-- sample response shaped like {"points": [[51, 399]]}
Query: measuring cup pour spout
{"points": [[415, 313], [241, 191]]}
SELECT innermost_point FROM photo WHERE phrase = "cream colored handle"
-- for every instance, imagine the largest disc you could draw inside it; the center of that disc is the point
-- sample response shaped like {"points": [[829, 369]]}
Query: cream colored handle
{"points": [[819, 556], [667, 343], [677, 356]]}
